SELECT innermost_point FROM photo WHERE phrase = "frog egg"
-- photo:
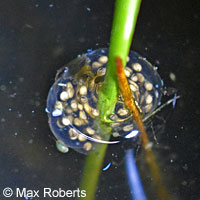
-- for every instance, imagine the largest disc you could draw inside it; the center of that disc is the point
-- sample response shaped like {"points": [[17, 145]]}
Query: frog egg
{"points": [[103, 59], [61, 147], [83, 90], [72, 100]]}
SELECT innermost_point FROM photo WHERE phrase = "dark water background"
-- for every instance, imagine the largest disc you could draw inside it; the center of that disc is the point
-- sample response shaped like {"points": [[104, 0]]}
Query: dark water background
{"points": [[38, 37]]}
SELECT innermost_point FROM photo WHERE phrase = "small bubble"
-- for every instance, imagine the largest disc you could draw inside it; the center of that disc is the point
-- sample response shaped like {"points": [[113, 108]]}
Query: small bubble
{"points": [[172, 76], [185, 167], [156, 67], [21, 79], [19, 115], [61, 147], [2, 88], [36, 5], [30, 141], [184, 183], [9, 109], [157, 62], [33, 111], [13, 95], [3, 120], [37, 103], [15, 133], [88, 9], [28, 26], [51, 5]]}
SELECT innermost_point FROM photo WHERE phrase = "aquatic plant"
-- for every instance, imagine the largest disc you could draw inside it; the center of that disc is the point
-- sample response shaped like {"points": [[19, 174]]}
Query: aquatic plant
{"points": [[100, 94], [124, 22]]}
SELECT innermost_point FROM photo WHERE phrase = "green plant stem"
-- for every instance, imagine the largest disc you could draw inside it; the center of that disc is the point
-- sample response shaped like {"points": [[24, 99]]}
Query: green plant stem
{"points": [[93, 165], [125, 17]]}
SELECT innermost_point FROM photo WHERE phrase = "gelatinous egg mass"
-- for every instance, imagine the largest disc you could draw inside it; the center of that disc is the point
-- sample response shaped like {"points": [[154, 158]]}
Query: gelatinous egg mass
{"points": [[72, 100]]}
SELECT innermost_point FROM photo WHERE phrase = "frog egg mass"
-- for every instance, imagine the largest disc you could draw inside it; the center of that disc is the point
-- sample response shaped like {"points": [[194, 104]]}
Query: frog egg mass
{"points": [[72, 100]]}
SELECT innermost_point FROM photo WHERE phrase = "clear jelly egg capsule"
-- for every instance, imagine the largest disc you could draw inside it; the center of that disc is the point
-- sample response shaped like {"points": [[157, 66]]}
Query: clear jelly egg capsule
{"points": [[72, 100]]}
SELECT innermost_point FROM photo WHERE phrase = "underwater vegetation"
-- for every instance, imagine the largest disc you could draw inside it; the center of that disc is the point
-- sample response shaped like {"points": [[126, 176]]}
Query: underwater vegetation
{"points": [[103, 98], [72, 101]]}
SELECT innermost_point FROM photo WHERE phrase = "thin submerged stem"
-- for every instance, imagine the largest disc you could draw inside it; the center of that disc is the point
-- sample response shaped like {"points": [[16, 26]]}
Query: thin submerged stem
{"points": [[146, 144]]}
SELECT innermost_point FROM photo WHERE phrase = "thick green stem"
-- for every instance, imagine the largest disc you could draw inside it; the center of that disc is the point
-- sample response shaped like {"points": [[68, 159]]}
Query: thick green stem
{"points": [[125, 17]]}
